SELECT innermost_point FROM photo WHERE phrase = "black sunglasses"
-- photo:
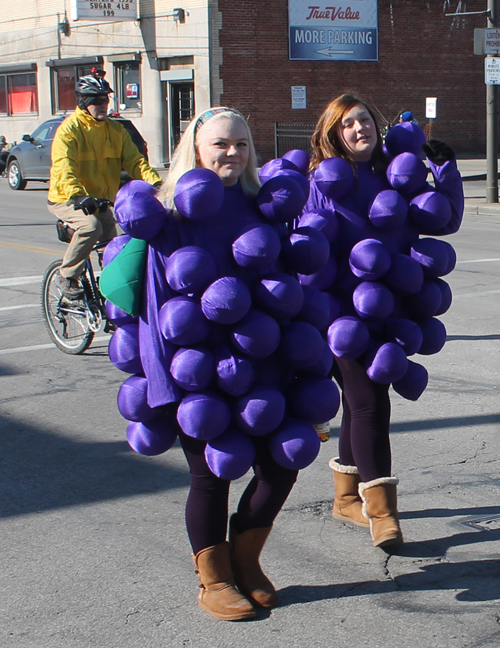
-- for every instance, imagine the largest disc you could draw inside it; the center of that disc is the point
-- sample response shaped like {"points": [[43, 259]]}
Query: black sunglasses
{"points": [[99, 101]]}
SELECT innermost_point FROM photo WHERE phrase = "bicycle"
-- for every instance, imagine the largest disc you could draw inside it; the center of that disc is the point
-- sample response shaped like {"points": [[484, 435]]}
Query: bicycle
{"points": [[73, 323]]}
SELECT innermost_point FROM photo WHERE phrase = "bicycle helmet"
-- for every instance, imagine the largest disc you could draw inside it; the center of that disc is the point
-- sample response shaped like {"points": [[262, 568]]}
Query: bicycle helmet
{"points": [[88, 87]]}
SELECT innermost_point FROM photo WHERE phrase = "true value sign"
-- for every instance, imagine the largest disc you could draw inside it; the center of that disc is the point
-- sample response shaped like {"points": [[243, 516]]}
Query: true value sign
{"points": [[110, 10]]}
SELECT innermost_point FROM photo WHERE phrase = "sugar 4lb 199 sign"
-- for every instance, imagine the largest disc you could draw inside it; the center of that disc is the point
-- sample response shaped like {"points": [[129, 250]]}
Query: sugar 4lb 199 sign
{"points": [[492, 70], [104, 10]]}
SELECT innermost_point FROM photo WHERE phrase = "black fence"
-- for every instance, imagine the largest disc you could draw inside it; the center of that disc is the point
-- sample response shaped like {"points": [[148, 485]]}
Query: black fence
{"points": [[292, 136]]}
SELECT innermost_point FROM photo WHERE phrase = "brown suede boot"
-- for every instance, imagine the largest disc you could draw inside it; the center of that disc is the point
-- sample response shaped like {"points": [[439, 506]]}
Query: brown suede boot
{"points": [[380, 506], [251, 580], [347, 505], [218, 595]]}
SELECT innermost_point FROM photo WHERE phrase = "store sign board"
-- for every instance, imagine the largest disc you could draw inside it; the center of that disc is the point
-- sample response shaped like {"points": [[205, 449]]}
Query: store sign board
{"points": [[346, 31], [104, 11]]}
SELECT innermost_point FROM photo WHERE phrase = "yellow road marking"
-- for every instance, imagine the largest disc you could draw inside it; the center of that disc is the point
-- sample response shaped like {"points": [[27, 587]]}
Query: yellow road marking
{"points": [[31, 248]]}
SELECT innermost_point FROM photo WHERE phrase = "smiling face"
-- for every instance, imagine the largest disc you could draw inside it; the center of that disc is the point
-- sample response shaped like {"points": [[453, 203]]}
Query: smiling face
{"points": [[222, 146], [358, 133]]}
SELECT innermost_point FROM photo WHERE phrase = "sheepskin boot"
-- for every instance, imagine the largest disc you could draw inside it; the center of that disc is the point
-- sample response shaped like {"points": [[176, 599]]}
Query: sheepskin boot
{"points": [[347, 505], [218, 595], [380, 506], [251, 580]]}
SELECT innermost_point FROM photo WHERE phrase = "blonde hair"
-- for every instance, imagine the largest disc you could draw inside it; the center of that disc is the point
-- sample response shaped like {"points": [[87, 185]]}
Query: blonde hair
{"points": [[184, 158], [327, 142]]}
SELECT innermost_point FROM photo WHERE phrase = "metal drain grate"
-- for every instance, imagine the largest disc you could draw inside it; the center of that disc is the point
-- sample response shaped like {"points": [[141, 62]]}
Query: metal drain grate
{"points": [[490, 523]]}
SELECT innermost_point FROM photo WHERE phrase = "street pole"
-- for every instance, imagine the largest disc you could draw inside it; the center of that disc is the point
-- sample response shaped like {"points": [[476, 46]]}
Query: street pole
{"points": [[492, 124]]}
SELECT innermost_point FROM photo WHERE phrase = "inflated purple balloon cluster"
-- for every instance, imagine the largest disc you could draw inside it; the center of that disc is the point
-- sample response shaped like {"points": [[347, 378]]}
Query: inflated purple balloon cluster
{"points": [[396, 297], [247, 355]]}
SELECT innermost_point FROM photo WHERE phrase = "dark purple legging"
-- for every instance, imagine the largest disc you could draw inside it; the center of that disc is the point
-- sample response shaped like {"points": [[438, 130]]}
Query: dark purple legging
{"points": [[364, 431], [207, 503]]}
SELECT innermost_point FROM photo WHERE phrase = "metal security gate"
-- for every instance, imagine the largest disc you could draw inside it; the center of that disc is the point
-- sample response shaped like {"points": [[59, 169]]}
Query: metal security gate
{"points": [[292, 136]]}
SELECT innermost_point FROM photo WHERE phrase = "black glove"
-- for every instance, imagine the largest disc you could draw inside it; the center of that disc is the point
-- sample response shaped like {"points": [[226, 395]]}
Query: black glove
{"points": [[87, 204], [438, 152]]}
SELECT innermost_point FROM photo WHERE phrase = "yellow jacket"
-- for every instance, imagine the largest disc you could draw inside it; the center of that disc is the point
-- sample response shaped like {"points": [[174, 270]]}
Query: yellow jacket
{"points": [[88, 156]]}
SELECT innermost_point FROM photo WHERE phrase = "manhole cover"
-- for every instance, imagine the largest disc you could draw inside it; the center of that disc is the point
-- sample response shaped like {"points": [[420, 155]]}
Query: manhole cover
{"points": [[485, 524]]}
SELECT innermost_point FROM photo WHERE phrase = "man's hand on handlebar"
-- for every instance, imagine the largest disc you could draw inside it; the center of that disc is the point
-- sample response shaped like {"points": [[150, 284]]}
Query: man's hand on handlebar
{"points": [[90, 205]]}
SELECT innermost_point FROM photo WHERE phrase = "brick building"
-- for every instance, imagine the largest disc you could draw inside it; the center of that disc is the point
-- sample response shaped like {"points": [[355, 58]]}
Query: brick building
{"points": [[170, 61]]}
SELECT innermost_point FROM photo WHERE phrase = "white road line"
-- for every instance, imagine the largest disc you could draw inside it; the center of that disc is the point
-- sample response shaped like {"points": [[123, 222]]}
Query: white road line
{"points": [[9, 308], [477, 294], [20, 281], [477, 261], [38, 347]]}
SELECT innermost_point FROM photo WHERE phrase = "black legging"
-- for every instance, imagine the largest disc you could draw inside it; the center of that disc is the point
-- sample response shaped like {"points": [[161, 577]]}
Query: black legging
{"points": [[364, 431], [207, 503]]}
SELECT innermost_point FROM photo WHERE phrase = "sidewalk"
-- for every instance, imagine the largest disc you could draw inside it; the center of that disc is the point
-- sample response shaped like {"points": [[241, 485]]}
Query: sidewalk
{"points": [[474, 176]]}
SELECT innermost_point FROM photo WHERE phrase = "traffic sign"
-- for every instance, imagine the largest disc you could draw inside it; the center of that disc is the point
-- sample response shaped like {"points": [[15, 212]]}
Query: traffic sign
{"points": [[492, 70]]}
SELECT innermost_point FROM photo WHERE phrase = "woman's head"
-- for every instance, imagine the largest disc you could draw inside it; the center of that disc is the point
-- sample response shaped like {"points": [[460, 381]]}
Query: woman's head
{"points": [[347, 129], [218, 139]]}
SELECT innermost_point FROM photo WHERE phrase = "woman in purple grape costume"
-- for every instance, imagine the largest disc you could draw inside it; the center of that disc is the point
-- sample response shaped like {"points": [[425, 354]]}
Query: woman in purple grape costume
{"points": [[221, 354], [386, 289]]}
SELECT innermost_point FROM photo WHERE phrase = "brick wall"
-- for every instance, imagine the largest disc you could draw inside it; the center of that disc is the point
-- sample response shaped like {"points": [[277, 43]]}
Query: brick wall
{"points": [[422, 53]]}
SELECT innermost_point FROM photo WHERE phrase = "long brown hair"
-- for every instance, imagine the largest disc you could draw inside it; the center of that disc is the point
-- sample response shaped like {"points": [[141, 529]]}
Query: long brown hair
{"points": [[326, 141]]}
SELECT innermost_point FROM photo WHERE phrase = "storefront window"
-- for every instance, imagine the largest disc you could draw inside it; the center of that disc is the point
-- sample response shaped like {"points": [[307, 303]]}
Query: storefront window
{"points": [[18, 95], [128, 85], [64, 81]]}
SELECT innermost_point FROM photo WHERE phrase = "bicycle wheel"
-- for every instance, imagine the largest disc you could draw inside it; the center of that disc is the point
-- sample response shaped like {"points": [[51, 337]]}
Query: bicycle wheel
{"points": [[65, 319]]}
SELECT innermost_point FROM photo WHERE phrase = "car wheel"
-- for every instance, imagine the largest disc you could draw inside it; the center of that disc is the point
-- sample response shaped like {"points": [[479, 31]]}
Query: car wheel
{"points": [[14, 176]]}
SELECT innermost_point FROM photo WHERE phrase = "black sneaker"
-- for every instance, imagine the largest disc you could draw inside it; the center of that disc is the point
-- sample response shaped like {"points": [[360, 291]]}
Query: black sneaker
{"points": [[69, 287]]}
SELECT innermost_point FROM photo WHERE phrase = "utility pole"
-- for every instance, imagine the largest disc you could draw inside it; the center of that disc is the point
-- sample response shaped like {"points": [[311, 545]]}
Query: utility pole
{"points": [[492, 123]]}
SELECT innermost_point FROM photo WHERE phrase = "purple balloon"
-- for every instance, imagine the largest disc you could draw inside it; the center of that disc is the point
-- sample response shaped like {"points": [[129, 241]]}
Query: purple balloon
{"points": [[274, 168], [257, 335], [260, 411], [412, 385], [299, 158], [301, 345], [138, 211], [405, 137], [334, 177], [193, 369], [235, 374], [190, 270], [258, 247], [323, 279], [405, 333], [348, 337], [436, 257], [434, 336], [226, 301], [124, 349], [316, 308], [407, 173], [446, 296], [430, 211], [388, 211], [369, 259], [405, 276], [373, 301], [199, 194], [282, 198], [324, 220], [114, 247], [154, 437], [203, 415], [118, 316], [386, 363], [182, 322], [132, 400], [230, 455], [280, 295], [306, 250], [324, 365], [313, 399], [295, 445], [427, 302]]}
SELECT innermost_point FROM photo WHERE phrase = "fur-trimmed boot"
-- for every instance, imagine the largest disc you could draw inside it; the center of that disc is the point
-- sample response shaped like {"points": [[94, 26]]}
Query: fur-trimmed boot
{"points": [[218, 595], [347, 504], [380, 506], [251, 580]]}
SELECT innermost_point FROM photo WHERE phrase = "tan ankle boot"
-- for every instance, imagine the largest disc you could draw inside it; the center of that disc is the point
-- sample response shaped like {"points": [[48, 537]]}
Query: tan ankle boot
{"points": [[380, 505], [251, 580], [218, 595], [347, 505]]}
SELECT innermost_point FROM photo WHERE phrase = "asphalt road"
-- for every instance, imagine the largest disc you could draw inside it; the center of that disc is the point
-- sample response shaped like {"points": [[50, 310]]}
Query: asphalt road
{"points": [[93, 551]]}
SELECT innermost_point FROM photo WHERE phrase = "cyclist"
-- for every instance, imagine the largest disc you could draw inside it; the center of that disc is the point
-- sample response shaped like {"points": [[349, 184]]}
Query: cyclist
{"points": [[88, 153]]}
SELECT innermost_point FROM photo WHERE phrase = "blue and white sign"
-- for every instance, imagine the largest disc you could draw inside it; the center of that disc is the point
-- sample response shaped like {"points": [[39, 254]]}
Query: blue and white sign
{"points": [[344, 31]]}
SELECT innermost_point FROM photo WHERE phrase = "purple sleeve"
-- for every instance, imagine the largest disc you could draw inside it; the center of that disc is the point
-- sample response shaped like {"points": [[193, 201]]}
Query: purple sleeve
{"points": [[448, 182]]}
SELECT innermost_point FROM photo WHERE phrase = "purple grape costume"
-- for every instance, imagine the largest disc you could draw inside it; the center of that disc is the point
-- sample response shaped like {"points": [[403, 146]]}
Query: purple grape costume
{"points": [[227, 344]]}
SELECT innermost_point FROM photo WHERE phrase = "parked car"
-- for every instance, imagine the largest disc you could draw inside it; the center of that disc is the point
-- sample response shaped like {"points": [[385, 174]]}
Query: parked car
{"points": [[30, 159]]}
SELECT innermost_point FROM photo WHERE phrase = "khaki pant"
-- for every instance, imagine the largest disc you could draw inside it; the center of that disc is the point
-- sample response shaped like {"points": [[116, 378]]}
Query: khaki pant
{"points": [[89, 229]]}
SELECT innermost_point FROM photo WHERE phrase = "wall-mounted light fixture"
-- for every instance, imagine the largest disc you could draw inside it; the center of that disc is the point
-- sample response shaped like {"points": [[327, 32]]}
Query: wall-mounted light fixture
{"points": [[63, 25]]}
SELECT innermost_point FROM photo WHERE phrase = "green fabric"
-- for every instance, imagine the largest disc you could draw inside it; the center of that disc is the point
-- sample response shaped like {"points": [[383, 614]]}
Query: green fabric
{"points": [[121, 279]]}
